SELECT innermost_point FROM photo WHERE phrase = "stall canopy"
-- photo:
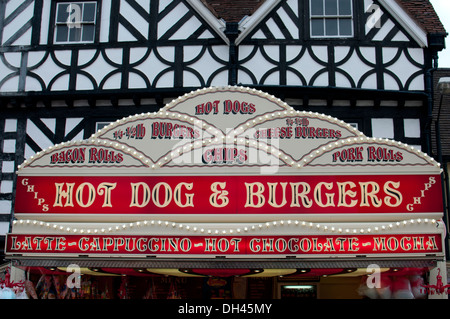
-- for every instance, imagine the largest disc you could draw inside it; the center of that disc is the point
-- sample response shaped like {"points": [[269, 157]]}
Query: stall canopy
{"points": [[228, 177]]}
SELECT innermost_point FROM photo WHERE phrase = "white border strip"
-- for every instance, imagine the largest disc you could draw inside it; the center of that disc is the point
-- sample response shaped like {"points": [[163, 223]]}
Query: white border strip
{"points": [[411, 26]]}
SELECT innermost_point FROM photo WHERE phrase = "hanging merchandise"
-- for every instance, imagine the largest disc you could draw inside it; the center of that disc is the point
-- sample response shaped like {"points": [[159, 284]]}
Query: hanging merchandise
{"points": [[10, 289], [417, 283], [402, 288], [30, 288], [151, 291], [63, 290], [85, 288], [365, 291], [59, 286], [385, 288], [43, 286], [105, 293], [173, 292], [124, 288], [406, 286]]}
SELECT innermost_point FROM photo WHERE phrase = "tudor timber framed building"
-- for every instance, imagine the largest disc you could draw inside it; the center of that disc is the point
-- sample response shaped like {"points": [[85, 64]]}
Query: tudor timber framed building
{"points": [[68, 68]]}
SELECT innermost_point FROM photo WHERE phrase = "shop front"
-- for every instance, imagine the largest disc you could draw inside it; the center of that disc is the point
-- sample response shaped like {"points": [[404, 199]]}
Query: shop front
{"points": [[229, 193]]}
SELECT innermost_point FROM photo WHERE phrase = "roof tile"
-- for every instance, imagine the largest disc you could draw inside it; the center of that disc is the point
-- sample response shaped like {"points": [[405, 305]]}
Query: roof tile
{"points": [[423, 13], [232, 10]]}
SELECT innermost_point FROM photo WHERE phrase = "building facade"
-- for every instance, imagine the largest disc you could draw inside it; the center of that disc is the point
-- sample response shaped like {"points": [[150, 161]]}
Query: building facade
{"points": [[71, 68]]}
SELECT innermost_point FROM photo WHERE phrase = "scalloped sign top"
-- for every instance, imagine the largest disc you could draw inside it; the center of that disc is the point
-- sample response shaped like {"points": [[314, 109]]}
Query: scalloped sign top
{"points": [[228, 130]]}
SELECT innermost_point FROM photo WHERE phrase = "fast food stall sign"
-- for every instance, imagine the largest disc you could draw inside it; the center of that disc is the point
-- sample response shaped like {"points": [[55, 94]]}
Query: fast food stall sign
{"points": [[224, 155]]}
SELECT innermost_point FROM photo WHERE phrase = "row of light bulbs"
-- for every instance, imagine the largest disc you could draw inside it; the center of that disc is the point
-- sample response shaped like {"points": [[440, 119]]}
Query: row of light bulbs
{"points": [[219, 137], [275, 151], [259, 145], [255, 227]]}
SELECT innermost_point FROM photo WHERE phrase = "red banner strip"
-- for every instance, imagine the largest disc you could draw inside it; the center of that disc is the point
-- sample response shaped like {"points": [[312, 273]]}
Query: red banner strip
{"points": [[225, 245], [229, 194]]}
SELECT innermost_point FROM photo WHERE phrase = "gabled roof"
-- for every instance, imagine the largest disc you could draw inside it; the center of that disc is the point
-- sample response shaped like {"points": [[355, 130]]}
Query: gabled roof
{"points": [[418, 17]]}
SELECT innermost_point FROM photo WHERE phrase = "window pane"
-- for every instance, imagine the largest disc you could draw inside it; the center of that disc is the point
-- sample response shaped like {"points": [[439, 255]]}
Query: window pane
{"points": [[75, 21], [62, 32], [89, 12], [316, 7], [74, 34], [345, 26], [317, 27], [62, 14], [331, 7], [88, 32], [331, 27], [345, 7]]}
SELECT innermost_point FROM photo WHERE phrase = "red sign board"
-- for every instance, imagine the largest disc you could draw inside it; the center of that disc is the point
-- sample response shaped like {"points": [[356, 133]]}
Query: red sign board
{"points": [[225, 245], [350, 194]]}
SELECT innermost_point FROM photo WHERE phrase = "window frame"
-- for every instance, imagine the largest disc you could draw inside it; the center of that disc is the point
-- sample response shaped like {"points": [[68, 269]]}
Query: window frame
{"points": [[55, 23], [337, 17]]}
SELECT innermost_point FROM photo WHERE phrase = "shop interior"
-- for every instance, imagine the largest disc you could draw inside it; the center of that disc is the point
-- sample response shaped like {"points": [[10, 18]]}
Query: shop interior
{"points": [[128, 283]]}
